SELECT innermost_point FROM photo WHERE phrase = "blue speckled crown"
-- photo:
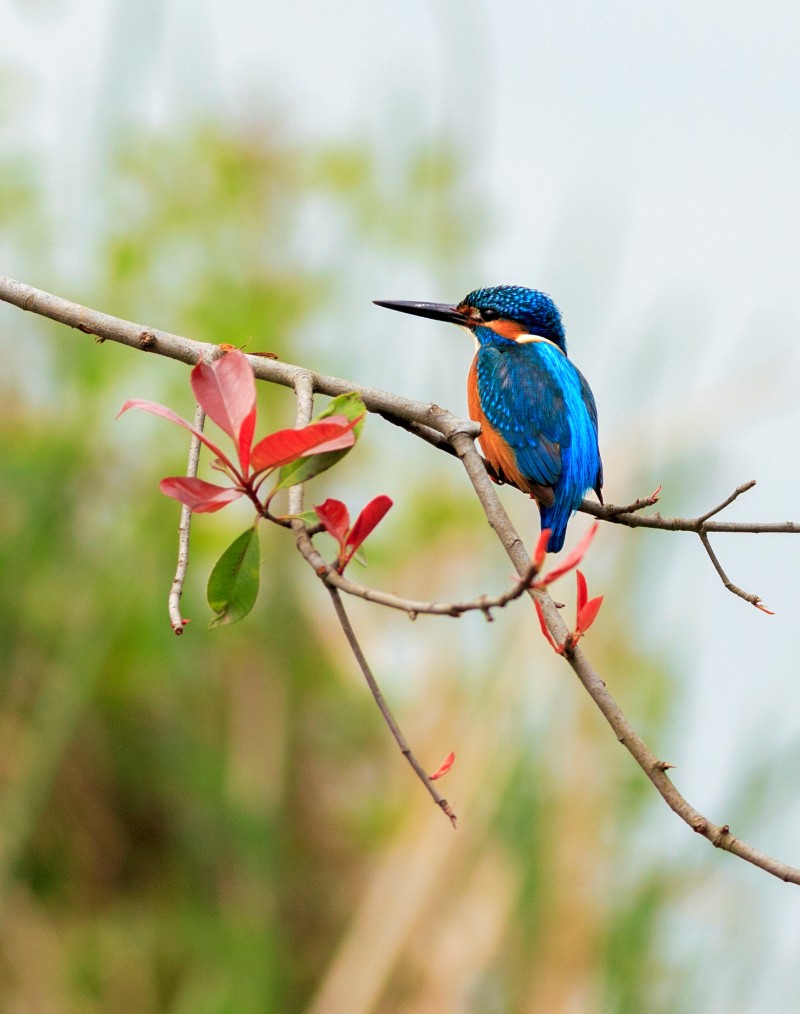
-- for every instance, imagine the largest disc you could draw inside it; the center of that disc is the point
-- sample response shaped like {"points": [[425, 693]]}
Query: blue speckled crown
{"points": [[536, 310]]}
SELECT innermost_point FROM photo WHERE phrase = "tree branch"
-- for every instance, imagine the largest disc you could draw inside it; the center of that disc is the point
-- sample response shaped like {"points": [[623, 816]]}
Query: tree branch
{"points": [[701, 525], [380, 700], [719, 835], [414, 607], [177, 622], [460, 434], [304, 394]]}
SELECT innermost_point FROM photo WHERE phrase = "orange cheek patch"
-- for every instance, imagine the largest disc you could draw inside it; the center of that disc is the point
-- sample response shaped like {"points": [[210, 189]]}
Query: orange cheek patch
{"points": [[506, 328]]}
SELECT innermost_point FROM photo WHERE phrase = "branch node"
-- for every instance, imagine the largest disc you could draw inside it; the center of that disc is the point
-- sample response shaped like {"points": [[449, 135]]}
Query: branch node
{"points": [[446, 807], [663, 766], [147, 340], [723, 839]]}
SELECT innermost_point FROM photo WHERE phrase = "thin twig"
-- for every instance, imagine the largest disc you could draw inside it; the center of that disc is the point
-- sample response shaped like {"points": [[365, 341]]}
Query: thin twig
{"points": [[304, 395], [610, 510], [726, 502], [413, 607], [621, 516], [380, 700], [754, 600], [177, 622]]}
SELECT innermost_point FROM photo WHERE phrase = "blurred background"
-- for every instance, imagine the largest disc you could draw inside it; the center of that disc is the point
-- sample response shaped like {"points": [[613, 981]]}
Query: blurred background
{"points": [[220, 822]]}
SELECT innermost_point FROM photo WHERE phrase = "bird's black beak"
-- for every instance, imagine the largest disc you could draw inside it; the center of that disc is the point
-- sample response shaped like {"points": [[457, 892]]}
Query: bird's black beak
{"points": [[436, 311]]}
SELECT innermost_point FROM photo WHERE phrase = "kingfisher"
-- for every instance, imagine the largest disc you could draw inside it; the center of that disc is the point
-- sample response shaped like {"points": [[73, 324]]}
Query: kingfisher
{"points": [[536, 411]]}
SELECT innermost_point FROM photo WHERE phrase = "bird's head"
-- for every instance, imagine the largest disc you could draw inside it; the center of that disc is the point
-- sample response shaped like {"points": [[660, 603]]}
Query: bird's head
{"points": [[504, 314]]}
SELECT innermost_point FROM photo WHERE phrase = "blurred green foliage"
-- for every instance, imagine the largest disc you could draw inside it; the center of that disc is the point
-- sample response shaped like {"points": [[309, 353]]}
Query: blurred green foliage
{"points": [[219, 822]]}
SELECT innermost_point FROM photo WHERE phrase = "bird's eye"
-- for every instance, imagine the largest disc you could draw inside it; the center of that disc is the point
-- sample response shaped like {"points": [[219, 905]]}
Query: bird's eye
{"points": [[489, 314]]}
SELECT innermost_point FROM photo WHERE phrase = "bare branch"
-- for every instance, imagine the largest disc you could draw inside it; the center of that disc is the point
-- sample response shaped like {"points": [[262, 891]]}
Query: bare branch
{"points": [[177, 622], [700, 525], [384, 707], [185, 350], [726, 502], [626, 516], [754, 600], [304, 394], [414, 607]]}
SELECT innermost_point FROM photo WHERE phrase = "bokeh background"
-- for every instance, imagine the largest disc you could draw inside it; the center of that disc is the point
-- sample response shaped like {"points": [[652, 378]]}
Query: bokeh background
{"points": [[220, 822]]}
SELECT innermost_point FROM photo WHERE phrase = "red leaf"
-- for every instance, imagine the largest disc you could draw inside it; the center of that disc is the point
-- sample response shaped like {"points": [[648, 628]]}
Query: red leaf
{"points": [[541, 548], [443, 768], [284, 446], [199, 496], [587, 615], [167, 413], [543, 623], [347, 438], [245, 444], [583, 592], [572, 559], [226, 390], [335, 519], [366, 521]]}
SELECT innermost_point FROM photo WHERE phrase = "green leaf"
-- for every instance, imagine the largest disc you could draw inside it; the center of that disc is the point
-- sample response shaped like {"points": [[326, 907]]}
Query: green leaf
{"points": [[309, 518], [233, 584], [349, 405]]}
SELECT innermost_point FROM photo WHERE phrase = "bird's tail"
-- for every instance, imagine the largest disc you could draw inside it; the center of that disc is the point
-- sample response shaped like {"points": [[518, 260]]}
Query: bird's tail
{"points": [[556, 518]]}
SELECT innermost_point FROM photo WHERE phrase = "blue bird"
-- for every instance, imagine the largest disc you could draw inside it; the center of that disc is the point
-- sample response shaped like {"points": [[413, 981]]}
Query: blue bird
{"points": [[537, 413]]}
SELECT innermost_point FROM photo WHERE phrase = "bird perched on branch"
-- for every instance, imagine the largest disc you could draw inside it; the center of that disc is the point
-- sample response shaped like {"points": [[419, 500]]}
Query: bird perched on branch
{"points": [[537, 413]]}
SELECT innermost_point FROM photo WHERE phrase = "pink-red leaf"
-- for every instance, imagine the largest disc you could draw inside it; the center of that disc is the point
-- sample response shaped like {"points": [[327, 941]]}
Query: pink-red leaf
{"points": [[167, 413], [335, 519], [583, 592], [588, 614], [543, 623], [366, 521], [572, 559], [444, 767], [284, 446], [200, 496], [226, 390], [346, 439], [245, 444], [541, 548]]}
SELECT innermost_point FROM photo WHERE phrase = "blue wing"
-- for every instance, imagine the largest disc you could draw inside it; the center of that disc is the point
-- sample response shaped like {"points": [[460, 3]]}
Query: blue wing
{"points": [[591, 408], [524, 402]]}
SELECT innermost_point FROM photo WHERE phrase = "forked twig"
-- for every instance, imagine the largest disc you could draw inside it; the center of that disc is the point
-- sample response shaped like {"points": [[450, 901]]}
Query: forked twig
{"points": [[304, 394], [700, 525]]}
